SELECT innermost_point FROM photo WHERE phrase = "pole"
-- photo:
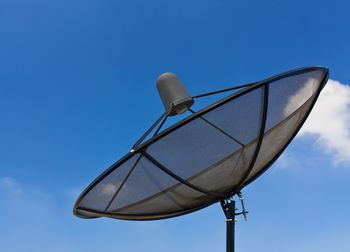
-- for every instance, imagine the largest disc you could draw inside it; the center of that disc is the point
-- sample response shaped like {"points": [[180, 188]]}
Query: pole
{"points": [[229, 208], [230, 227]]}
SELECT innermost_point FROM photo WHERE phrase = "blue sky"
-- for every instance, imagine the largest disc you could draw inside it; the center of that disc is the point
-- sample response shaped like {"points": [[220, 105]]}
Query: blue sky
{"points": [[77, 83]]}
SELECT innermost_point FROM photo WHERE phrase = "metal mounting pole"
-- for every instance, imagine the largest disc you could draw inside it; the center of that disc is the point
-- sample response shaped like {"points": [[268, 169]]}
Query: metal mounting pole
{"points": [[229, 208]]}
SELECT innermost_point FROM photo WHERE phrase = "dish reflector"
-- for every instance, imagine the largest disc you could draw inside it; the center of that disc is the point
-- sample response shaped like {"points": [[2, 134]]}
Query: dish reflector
{"points": [[209, 155]]}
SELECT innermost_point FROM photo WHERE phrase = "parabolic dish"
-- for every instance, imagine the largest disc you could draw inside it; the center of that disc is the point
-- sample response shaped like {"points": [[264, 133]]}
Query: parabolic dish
{"points": [[208, 156]]}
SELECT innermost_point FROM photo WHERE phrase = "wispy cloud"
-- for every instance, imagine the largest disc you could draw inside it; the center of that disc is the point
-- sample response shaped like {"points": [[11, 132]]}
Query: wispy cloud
{"points": [[330, 121], [11, 186], [285, 161], [31, 219], [34, 218], [296, 100]]}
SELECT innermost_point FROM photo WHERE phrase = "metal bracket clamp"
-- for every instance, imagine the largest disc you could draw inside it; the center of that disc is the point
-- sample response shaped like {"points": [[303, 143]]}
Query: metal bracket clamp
{"points": [[244, 212], [229, 208]]}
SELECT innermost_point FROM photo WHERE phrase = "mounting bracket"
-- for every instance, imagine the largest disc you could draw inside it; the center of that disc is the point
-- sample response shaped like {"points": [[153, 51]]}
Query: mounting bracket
{"points": [[229, 207]]}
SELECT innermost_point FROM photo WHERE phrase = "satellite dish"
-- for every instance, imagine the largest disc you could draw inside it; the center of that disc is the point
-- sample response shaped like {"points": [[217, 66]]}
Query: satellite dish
{"points": [[207, 157]]}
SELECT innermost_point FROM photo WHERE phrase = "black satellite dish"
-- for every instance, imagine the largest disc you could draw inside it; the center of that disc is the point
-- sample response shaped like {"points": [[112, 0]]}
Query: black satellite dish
{"points": [[209, 156]]}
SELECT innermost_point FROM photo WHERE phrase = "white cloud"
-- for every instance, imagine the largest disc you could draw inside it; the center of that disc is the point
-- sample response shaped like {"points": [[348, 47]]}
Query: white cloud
{"points": [[285, 161], [11, 186], [32, 219], [303, 94], [109, 189], [330, 121]]}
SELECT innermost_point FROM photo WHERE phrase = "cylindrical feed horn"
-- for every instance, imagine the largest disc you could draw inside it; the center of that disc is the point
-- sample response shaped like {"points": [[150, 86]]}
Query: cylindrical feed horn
{"points": [[175, 98]]}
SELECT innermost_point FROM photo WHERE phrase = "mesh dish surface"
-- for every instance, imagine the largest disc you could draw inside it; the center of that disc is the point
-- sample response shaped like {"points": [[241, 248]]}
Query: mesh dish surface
{"points": [[193, 164]]}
